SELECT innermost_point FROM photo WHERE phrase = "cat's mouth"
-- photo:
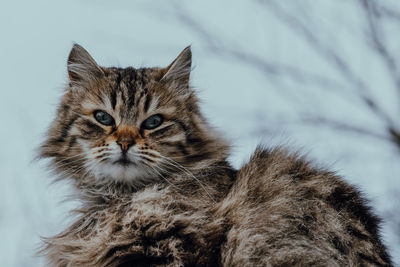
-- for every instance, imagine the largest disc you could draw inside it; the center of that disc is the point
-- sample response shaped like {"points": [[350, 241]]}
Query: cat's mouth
{"points": [[124, 161]]}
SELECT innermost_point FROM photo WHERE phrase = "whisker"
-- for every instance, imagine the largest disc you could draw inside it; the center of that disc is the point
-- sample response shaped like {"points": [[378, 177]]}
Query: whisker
{"points": [[162, 176], [68, 163], [72, 157], [70, 171], [144, 156], [179, 166], [83, 155]]}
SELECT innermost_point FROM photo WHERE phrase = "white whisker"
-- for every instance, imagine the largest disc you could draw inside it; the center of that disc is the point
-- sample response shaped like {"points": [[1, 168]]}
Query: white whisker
{"points": [[182, 168], [153, 168]]}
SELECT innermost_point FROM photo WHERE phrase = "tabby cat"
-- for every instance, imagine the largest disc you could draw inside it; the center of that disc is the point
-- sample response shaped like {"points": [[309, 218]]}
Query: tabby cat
{"points": [[156, 188]]}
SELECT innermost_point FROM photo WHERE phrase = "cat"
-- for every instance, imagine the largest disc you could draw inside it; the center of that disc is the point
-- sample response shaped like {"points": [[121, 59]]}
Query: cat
{"points": [[156, 188]]}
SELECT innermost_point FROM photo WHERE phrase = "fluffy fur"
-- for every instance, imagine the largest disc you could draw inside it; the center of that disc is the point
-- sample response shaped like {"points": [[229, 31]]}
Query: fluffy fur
{"points": [[166, 196]]}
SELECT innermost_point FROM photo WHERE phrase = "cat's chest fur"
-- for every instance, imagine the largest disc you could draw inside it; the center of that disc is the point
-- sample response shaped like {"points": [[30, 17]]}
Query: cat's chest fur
{"points": [[156, 225]]}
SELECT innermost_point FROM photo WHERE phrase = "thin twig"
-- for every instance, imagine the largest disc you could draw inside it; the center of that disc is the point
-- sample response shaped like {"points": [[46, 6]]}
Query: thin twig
{"points": [[342, 126], [331, 56], [376, 35]]}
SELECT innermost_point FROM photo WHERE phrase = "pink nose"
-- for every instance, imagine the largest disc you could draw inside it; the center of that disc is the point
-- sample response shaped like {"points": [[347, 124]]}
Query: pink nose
{"points": [[125, 144]]}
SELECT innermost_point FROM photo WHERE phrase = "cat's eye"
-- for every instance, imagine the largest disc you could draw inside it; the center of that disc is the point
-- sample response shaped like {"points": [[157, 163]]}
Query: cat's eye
{"points": [[152, 122], [103, 117]]}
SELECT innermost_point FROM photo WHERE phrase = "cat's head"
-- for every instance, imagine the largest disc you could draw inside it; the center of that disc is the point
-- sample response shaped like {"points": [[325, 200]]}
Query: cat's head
{"points": [[129, 125]]}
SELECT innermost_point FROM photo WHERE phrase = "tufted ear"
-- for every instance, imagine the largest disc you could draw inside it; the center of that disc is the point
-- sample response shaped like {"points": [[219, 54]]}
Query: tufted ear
{"points": [[81, 66], [179, 69]]}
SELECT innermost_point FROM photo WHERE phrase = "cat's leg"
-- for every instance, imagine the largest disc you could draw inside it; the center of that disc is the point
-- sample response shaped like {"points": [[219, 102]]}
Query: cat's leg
{"points": [[247, 248]]}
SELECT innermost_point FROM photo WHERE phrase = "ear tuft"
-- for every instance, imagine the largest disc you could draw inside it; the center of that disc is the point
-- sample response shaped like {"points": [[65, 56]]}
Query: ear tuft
{"points": [[81, 66], [179, 69]]}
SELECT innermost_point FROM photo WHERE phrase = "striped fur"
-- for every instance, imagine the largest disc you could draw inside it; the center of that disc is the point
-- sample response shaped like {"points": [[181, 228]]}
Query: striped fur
{"points": [[166, 196]]}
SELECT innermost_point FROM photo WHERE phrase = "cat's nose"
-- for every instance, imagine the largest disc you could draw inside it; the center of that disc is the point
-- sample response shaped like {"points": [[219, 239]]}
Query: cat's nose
{"points": [[125, 144]]}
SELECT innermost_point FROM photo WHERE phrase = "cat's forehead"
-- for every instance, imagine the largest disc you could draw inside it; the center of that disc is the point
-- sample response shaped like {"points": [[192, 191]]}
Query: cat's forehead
{"points": [[132, 78], [129, 93]]}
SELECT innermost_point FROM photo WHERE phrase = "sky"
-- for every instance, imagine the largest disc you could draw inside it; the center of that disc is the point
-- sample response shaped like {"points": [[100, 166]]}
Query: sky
{"points": [[246, 103]]}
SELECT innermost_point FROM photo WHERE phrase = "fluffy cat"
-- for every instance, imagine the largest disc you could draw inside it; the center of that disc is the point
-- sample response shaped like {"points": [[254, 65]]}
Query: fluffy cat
{"points": [[156, 188]]}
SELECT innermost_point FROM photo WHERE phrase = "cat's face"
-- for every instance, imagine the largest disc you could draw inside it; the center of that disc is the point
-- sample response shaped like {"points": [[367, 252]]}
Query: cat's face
{"points": [[128, 125]]}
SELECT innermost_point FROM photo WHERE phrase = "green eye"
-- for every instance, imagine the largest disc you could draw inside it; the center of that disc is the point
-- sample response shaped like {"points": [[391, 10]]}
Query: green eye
{"points": [[103, 117], [152, 122]]}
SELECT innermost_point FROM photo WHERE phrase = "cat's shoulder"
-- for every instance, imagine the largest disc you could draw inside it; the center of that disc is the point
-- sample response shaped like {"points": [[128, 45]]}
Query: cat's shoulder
{"points": [[282, 162], [280, 173], [289, 173]]}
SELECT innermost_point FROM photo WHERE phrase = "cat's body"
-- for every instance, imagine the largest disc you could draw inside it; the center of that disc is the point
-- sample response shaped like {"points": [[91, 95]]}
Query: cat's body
{"points": [[156, 188]]}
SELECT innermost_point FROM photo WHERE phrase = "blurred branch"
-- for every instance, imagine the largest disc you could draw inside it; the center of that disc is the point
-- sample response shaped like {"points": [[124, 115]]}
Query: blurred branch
{"points": [[335, 59], [388, 12], [395, 136], [379, 46], [342, 126], [330, 54]]}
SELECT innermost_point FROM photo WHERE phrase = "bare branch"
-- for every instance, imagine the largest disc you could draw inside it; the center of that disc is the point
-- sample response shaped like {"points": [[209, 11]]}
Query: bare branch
{"points": [[331, 57], [388, 12], [395, 135], [342, 126], [375, 33]]}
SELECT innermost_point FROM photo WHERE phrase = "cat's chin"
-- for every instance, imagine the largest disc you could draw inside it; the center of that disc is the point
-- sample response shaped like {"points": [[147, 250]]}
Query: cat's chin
{"points": [[124, 171]]}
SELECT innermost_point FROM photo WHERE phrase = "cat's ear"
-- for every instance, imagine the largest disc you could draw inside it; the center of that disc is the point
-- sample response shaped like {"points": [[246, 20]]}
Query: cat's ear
{"points": [[179, 69], [81, 66]]}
